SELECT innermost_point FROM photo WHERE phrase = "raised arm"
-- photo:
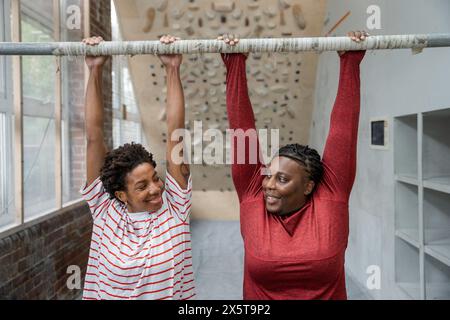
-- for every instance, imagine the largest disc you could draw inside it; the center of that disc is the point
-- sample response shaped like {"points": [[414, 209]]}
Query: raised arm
{"points": [[247, 173], [339, 156], [175, 113], [96, 147]]}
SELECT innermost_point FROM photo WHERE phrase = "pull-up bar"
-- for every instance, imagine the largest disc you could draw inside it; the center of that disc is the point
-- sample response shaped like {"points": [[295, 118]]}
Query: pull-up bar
{"points": [[318, 44]]}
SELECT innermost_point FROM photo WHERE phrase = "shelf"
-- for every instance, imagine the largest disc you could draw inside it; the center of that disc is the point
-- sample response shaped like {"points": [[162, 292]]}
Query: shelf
{"points": [[436, 210], [440, 249], [437, 279], [409, 235], [409, 179], [436, 150], [407, 268], [438, 291], [407, 208], [405, 141], [441, 184], [411, 289]]}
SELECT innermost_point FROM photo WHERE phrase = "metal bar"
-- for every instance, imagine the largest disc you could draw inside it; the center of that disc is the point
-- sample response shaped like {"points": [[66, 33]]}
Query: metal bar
{"points": [[317, 44]]}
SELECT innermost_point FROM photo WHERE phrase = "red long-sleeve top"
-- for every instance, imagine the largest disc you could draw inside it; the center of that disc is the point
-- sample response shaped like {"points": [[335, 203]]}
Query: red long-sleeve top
{"points": [[300, 256]]}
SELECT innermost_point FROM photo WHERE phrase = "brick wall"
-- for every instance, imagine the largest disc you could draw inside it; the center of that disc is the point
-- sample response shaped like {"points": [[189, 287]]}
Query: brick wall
{"points": [[76, 130], [100, 14], [34, 261]]}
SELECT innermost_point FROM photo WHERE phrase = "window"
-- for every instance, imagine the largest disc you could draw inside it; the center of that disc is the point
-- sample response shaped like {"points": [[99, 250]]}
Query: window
{"points": [[38, 77], [39, 98], [6, 107], [126, 120]]}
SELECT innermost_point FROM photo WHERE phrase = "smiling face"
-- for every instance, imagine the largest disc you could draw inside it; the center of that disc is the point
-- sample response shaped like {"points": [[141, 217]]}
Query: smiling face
{"points": [[287, 186], [143, 191]]}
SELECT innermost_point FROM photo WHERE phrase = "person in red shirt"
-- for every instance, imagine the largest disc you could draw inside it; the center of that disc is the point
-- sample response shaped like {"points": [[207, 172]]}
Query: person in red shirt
{"points": [[294, 214]]}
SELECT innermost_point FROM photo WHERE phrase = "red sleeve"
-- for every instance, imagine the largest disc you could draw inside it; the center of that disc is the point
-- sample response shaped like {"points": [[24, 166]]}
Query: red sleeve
{"points": [[339, 156], [246, 174]]}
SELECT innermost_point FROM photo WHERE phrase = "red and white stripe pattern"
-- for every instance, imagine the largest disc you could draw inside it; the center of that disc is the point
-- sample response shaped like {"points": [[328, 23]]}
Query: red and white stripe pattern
{"points": [[143, 255]]}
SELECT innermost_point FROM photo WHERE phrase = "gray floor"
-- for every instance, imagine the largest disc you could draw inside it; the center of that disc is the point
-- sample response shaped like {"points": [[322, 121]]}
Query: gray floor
{"points": [[218, 262]]}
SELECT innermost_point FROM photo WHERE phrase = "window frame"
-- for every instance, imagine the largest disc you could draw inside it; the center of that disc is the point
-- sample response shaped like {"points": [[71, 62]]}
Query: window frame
{"points": [[6, 107]]}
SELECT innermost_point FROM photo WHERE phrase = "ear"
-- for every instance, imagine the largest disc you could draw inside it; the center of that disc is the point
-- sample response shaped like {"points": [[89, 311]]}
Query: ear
{"points": [[309, 187], [121, 195]]}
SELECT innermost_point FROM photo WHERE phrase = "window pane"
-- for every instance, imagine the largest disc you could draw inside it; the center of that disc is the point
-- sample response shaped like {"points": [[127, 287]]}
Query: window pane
{"points": [[39, 168], [131, 132], [38, 76], [128, 97], [38, 71], [117, 142], [6, 173], [73, 132], [5, 62]]}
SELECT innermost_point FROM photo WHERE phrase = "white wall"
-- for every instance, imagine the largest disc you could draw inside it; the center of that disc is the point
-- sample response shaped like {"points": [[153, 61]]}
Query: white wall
{"points": [[392, 83]]}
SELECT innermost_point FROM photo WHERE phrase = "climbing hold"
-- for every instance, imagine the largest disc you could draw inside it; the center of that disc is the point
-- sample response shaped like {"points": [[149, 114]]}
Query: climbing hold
{"points": [[150, 20], [223, 6], [237, 14], [270, 11], [162, 6], [177, 13], [299, 17], [210, 15]]}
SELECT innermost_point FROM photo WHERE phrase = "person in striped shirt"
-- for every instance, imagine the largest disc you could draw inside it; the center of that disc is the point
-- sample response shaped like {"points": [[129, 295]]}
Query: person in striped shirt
{"points": [[141, 243]]}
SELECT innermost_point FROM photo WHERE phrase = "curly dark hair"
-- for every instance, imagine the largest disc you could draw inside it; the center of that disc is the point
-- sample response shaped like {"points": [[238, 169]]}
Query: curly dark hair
{"points": [[309, 158], [121, 161]]}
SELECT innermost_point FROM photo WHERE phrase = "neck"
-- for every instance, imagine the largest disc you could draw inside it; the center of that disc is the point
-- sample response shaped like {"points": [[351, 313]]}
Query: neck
{"points": [[129, 208], [291, 212]]}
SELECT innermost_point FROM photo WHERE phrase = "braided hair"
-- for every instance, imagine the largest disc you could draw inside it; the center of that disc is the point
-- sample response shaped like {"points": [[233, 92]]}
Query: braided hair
{"points": [[121, 161], [307, 157]]}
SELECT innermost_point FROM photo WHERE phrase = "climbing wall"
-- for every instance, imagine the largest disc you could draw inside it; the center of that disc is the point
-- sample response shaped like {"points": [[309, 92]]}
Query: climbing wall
{"points": [[281, 85]]}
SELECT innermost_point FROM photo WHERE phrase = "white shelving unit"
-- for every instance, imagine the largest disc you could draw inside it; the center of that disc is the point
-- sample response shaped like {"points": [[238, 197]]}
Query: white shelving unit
{"points": [[422, 204]]}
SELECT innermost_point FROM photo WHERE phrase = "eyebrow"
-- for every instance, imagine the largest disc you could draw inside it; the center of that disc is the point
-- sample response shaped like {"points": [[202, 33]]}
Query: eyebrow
{"points": [[140, 181], [145, 181], [279, 172]]}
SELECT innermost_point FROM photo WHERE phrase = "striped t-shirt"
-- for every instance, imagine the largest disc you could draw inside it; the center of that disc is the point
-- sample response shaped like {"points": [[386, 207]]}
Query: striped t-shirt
{"points": [[140, 255]]}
